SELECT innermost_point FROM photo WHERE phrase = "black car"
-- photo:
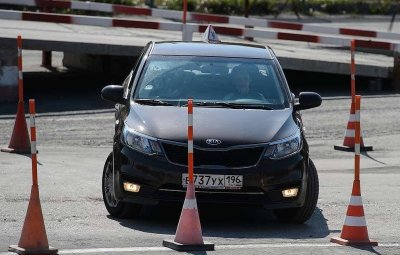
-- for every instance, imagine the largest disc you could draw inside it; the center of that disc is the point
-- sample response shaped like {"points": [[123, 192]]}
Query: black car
{"points": [[249, 142]]}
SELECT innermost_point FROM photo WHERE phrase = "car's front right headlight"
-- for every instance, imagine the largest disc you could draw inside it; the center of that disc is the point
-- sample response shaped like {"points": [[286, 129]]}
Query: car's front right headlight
{"points": [[285, 147], [140, 142]]}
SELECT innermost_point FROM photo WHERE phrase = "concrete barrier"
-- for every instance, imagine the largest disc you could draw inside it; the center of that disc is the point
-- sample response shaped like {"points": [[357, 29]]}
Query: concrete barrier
{"points": [[8, 71], [201, 17]]}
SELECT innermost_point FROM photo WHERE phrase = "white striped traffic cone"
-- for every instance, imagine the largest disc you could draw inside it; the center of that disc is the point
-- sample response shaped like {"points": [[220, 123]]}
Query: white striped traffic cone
{"points": [[188, 235], [19, 142], [189, 227], [348, 142], [33, 238], [354, 231]]}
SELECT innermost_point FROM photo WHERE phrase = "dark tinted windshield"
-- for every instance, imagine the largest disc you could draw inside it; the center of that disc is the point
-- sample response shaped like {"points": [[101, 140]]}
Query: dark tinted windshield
{"points": [[174, 79]]}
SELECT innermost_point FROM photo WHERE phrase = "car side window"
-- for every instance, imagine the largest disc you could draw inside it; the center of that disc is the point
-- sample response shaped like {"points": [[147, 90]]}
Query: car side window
{"points": [[135, 70]]}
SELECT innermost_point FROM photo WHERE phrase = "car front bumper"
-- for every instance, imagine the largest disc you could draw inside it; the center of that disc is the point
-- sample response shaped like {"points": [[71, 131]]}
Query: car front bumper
{"points": [[161, 181]]}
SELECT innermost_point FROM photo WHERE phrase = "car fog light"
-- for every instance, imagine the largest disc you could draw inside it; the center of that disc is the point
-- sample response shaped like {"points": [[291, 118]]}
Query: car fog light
{"points": [[131, 187], [290, 192]]}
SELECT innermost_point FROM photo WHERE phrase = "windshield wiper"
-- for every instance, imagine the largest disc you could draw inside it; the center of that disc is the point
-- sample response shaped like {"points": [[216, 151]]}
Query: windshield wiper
{"points": [[232, 105], [152, 102], [211, 104], [250, 106]]}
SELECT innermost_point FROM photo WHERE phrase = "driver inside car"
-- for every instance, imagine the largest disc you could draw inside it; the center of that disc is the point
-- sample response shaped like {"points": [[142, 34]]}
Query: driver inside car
{"points": [[241, 81]]}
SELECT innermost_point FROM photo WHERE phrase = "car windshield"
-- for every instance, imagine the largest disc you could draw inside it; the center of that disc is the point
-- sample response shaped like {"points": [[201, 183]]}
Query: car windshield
{"points": [[211, 82]]}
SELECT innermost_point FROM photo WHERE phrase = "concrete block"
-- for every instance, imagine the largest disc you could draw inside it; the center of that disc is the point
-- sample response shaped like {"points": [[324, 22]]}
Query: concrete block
{"points": [[114, 65], [8, 75], [83, 61]]}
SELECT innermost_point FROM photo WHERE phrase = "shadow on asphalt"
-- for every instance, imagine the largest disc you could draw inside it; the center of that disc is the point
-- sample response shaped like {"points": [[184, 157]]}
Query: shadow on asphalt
{"points": [[58, 92], [372, 158], [367, 248], [197, 252], [28, 155], [229, 222]]}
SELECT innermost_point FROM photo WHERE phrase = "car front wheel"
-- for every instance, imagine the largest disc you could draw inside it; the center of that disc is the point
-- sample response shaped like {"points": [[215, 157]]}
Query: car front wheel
{"points": [[116, 208], [302, 214]]}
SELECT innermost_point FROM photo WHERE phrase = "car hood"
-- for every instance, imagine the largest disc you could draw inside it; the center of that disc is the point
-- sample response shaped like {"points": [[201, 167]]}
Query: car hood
{"points": [[231, 126]]}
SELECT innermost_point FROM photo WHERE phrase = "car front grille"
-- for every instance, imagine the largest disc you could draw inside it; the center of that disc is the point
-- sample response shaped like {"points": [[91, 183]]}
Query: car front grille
{"points": [[241, 157]]}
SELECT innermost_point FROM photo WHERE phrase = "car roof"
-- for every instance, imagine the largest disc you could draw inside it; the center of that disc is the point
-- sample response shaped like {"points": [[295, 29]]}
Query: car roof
{"points": [[211, 49]]}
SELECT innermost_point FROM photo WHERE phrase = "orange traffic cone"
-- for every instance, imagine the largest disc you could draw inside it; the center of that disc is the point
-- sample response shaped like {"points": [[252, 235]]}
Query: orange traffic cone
{"points": [[188, 235], [354, 231], [19, 142], [349, 142], [33, 238]]}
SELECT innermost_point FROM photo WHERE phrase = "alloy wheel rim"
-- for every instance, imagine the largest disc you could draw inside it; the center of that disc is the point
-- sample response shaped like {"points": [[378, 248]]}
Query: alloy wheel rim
{"points": [[108, 186]]}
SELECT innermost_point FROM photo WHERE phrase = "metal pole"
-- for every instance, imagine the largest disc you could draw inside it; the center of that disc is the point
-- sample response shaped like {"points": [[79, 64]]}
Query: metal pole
{"points": [[190, 140], [32, 112], [20, 77], [357, 140], [184, 11], [353, 71]]}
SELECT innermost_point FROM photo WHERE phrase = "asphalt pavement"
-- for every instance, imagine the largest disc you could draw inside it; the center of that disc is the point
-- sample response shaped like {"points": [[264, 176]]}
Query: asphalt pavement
{"points": [[74, 144], [75, 129]]}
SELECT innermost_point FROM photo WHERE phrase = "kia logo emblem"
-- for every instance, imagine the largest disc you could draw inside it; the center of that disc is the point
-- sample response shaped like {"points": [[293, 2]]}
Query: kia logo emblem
{"points": [[213, 141]]}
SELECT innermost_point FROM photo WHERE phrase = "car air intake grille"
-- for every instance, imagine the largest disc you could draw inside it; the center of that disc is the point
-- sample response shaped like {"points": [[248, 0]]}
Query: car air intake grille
{"points": [[230, 158]]}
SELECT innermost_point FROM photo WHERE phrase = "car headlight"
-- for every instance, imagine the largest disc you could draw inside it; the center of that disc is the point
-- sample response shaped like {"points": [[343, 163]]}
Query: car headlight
{"points": [[285, 147], [140, 142]]}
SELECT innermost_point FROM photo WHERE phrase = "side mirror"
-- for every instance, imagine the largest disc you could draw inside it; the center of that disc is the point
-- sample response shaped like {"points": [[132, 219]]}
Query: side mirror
{"points": [[113, 93], [308, 100]]}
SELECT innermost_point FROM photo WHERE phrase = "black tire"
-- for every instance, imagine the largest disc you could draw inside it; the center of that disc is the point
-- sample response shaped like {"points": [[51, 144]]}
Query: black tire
{"points": [[302, 214], [117, 209]]}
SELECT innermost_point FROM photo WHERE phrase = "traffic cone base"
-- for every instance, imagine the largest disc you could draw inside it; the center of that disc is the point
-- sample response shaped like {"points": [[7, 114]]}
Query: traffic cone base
{"points": [[205, 246], [345, 242], [188, 235], [351, 149], [9, 150], [19, 250]]}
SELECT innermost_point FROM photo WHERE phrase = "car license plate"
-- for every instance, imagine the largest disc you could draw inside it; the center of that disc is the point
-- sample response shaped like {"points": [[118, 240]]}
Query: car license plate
{"points": [[214, 181]]}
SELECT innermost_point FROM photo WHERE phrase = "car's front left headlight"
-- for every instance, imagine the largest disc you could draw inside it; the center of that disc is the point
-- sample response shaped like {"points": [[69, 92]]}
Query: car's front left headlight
{"points": [[285, 147], [140, 142]]}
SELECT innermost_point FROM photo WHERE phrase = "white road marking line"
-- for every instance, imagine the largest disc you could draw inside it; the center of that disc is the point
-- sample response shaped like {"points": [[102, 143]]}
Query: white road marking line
{"points": [[217, 247], [80, 118], [107, 250], [288, 245]]}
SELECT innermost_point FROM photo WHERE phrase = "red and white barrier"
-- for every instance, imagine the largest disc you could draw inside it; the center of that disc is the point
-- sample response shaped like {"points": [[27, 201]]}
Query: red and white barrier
{"points": [[88, 20], [190, 28], [201, 17], [302, 37]]}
